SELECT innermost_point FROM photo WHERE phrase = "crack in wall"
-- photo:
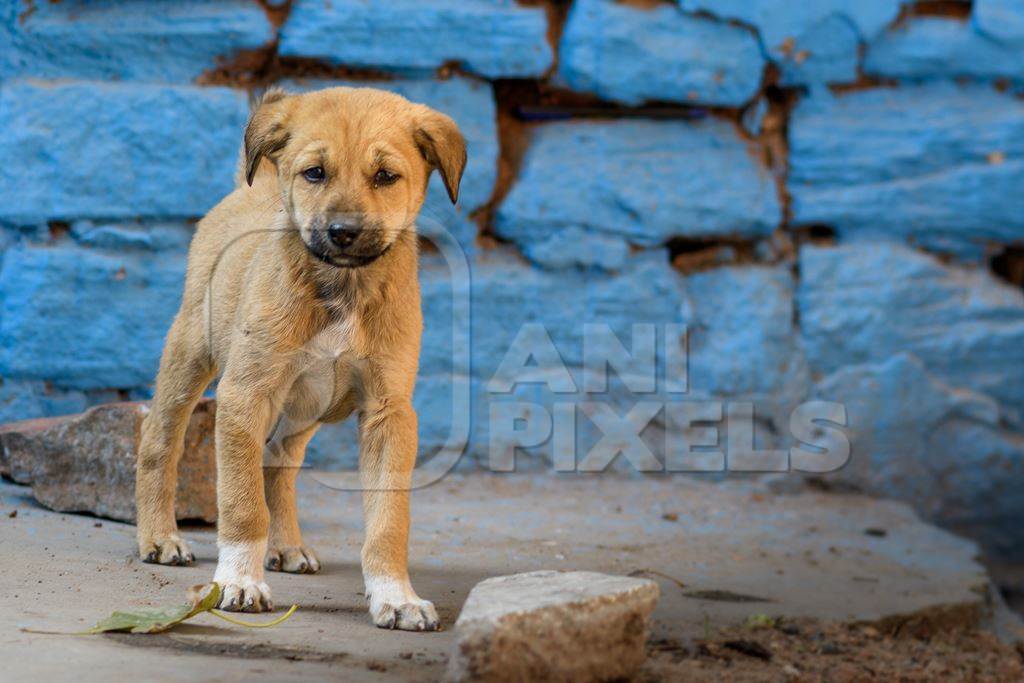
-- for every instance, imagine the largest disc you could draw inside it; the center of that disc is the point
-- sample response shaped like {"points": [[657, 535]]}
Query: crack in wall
{"points": [[1008, 264], [951, 9]]}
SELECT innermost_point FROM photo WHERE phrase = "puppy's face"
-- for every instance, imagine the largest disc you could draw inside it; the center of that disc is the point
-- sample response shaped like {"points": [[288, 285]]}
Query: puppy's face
{"points": [[353, 165]]}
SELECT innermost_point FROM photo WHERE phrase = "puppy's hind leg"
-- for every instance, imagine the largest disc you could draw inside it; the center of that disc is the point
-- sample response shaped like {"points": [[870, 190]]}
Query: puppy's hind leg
{"points": [[185, 371], [282, 459]]}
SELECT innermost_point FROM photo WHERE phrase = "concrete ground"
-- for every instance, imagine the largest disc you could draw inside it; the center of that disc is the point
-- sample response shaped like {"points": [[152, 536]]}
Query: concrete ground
{"points": [[738, 550]]}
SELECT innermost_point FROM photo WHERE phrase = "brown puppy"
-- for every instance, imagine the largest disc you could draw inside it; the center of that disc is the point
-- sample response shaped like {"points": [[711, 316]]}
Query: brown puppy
{"points": [[302, 296]]}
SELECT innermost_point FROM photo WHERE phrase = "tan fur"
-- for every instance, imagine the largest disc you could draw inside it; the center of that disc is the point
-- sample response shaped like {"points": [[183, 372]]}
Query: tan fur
{"points": [[257, 304]]}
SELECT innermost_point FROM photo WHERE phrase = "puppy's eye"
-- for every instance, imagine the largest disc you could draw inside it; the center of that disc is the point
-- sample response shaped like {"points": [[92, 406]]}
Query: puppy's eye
{"points": [[384, 177], [314, 174]]}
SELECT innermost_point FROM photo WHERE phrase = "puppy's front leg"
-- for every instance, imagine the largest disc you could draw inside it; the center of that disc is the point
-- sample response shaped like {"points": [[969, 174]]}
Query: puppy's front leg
{"points": [[243, 519], [388, 454]]}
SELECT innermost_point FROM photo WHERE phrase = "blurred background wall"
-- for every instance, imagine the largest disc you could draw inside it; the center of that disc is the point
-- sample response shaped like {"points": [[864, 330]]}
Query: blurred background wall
{"points": [[829, 194]]}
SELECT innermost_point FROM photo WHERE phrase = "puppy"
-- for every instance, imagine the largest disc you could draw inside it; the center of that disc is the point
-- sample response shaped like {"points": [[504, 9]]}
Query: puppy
{"points": [[302, 297]]}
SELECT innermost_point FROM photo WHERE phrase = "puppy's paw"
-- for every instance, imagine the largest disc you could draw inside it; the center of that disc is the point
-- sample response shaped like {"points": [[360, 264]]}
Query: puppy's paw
{"points": [[170, 549], [240, 575], [410, 616], [293, 559], [395, 605], [245, 597]]}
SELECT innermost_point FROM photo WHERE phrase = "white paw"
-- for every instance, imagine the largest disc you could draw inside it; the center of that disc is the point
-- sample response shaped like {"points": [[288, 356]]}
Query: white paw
{"points": [[240, 575], [245, 597], [294, 559], [395, 605], [171, 549]]}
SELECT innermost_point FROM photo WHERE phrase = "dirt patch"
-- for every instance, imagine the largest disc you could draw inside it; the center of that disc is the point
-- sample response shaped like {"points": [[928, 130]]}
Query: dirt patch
{"points": [[191, 645], [261, 67], [808, 650]]}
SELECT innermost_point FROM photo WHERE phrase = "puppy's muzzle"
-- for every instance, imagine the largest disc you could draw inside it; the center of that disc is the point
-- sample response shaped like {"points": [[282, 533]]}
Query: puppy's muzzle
{"points": [[347, 241], [342, 235]]}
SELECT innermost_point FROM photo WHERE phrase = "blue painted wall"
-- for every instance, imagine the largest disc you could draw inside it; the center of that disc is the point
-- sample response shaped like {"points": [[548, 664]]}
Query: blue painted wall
{"points": [[692, 148]]}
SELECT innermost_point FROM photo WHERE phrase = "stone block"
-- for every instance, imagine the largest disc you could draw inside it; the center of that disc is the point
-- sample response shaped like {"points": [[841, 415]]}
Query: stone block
{"points": [[865, 303], [86, 462], [84, 318], [940, 47], [1001, 19], [938, 164], [492, 38], [553, 626], [632, 55], [941, 448], [813, 42], [643, 181], [74, 150], [133, 40]]}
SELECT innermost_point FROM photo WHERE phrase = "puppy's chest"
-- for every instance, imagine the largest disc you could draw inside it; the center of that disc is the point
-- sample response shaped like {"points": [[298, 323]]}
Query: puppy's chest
{"points": [[338, 339]]}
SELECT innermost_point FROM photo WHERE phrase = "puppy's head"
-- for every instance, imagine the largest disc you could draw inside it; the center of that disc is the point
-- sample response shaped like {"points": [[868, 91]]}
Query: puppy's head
{"points": [[353, 165]]}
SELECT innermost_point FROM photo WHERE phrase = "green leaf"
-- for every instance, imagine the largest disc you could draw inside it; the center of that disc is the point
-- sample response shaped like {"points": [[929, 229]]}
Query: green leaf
{"points": [[756, 621], [155, 621], [202, 598]]}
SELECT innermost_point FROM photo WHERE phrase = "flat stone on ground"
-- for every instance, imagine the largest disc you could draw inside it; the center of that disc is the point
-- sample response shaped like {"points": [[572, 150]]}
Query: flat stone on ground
{"points": [[553, 626]]}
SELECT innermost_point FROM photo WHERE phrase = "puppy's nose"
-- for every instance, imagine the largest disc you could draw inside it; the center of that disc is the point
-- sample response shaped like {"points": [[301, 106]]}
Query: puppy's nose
{"points": [[342, 234]]}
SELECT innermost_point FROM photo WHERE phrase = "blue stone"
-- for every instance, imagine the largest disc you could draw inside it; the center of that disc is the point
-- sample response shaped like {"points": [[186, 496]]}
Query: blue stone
{"points": [[84, 318], [124, 235], [642, 181], [742, 340], [811, 41], [942, 448], [864, 303], [116, 40], [113, 150], [937, 47], [1001, 19], [492, 38], [632, 55], [938, 164], [21, 400]]}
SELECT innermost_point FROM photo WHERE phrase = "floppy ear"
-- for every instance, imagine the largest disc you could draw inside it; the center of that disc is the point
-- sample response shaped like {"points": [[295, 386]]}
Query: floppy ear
{"points": [[265, 135], [442, 145]]}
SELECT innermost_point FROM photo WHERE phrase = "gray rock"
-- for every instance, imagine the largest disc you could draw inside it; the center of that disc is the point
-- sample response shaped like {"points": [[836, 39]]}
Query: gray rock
{"points": [[86, 462], [553, 626]]}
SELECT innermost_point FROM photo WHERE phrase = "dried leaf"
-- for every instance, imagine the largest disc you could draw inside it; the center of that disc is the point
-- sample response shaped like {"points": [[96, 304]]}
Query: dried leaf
{"points": [[155, 621], [202, 598]]}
